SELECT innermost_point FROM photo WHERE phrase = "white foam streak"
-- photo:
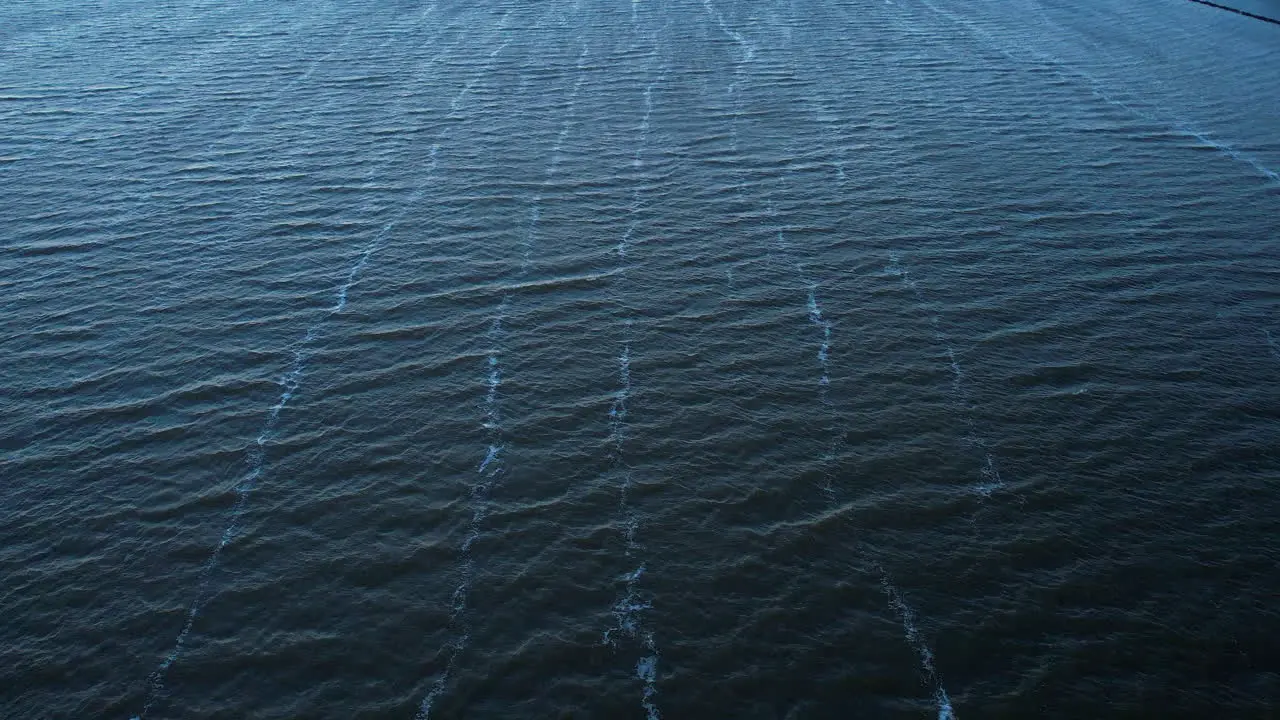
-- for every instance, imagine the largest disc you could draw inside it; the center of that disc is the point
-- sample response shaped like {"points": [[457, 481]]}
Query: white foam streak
{"points": [[1233, 153], [637, 161], [553, 166], [457, 615], [618, 411], [567, 126], [628, 611], [815, 316], [256, 455], [491, 469], [748, 50], [748, 53], [490, 472], [647, 671], [815, 310], [916, 640], [988, 472], [306, 75]]}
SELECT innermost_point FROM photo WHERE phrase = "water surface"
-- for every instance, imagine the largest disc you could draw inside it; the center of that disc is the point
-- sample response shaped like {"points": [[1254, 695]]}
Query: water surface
{"points": [[665, 358]]}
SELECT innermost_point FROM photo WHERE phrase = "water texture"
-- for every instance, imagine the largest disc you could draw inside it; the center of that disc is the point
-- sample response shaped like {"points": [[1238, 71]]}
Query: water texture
{"points": [[639, 359]]}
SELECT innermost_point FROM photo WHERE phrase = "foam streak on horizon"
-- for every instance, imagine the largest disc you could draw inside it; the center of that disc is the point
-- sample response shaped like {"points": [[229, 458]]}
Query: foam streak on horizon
{"points": [[815, 316]]}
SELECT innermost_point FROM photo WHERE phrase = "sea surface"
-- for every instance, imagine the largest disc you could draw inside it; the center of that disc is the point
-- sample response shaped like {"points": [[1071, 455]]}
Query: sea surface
{"points": [[623, 359]]}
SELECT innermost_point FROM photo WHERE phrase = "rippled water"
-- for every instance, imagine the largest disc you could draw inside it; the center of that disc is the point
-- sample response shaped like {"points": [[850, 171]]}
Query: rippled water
{"points": [[663, 358]]}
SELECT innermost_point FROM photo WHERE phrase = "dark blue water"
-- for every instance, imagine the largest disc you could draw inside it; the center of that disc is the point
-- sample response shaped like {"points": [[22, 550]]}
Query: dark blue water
{"points": [[653, 359]]}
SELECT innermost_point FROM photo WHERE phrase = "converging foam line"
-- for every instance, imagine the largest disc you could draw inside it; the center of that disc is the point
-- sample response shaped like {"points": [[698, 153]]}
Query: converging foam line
{"points": [[491, 468], [290, 383], [629, 608]]}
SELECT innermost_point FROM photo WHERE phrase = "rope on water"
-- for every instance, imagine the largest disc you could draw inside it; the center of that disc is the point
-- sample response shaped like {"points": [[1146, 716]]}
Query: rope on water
{"points": [[1237, 11]]}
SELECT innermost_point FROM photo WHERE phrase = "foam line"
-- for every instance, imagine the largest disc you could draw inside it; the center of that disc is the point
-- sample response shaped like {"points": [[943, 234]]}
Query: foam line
{"points": [[824, 382], [748, 54], [637, 161], [290, 382], [1271, 343], [628, 611], [457, 615], [647, 671], [917, 642], [629, 622], [896, 601], [748, 50], [1223, 148], [811, 303], [988, 471], [305, 76], [571, 104], [490, 473], [780, 242], [815, 316], [256, 458], [1233, 153], [557, 151], [491, 469], [618, 411]]}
